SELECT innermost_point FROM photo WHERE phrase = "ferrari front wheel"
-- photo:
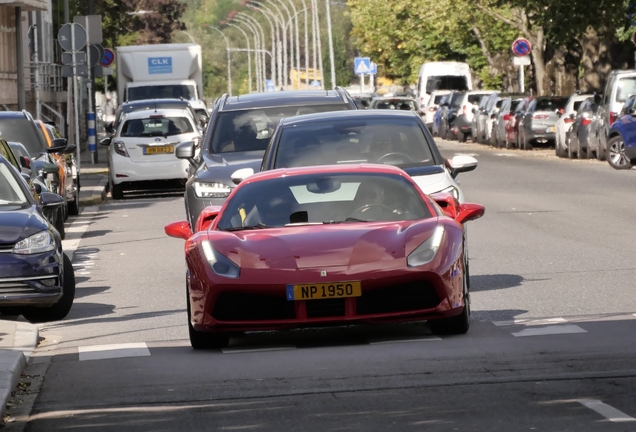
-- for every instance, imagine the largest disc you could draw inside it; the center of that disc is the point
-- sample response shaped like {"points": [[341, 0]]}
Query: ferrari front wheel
{"points": [[458, 324], [204, 340]]}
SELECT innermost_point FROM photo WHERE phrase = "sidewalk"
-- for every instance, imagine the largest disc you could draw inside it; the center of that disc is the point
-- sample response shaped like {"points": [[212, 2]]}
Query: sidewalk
{"points": [[18, 339]]}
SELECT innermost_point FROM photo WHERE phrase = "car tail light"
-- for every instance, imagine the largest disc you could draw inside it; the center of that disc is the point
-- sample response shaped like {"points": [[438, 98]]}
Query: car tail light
{"points": [[507, 117], [464, 109], [540, 116], [612, 117], [568, 120], [432, 109], [120, 148], [586, 119]]}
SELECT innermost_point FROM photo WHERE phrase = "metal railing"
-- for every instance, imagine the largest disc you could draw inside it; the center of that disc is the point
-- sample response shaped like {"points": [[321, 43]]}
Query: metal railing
{"points": [[50, 76]]}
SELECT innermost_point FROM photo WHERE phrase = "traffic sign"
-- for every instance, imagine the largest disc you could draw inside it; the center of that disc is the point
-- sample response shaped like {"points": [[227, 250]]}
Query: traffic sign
{"points": [[361, 65], [374, 69], [67, 31], [67, 58], [521, 47], [67, 71], [96, 54], [314, 83], [269, 86], [521, 61], [93, 26], [108, 58]]}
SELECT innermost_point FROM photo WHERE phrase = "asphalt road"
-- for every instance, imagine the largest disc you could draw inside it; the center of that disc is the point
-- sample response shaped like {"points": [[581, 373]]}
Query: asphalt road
{"points": [[551, 347]]}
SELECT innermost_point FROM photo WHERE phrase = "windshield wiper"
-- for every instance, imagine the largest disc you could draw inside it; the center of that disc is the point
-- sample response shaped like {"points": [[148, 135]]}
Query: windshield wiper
{"points": [[260, 225], [349, 219]]}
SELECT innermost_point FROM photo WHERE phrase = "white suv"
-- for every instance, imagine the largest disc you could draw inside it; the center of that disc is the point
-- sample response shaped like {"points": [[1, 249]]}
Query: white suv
{"points": [[565, 121], [142, 149], [429, 110]]}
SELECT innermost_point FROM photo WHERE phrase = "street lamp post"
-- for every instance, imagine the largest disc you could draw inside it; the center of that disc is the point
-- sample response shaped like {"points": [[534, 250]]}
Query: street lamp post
{"points": [[257, 26], [257, 45], [249, 60], [281, 50], [276, 40], [306, 47], [229, 68], [280, 18], [331, 56], [296, 12], [319, 41], [273, 28], [291, 37]]}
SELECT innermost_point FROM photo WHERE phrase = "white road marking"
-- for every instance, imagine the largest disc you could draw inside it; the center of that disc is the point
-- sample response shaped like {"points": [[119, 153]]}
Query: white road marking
{"points": [[402, 340], [101, 352], [505, 155], [238, 350], [76, 231], [467, 154], [607, 411], [528, 322], [550, 330]]}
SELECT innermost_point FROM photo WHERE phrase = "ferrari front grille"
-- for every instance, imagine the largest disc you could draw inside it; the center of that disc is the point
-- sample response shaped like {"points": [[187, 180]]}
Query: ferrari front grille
{"points": [[252, 307], [398, 298], [325, 308]]}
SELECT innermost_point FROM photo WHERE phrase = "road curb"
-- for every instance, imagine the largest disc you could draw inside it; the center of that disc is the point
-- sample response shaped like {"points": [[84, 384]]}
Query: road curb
{"points": [[98, 194], [13, 361]]}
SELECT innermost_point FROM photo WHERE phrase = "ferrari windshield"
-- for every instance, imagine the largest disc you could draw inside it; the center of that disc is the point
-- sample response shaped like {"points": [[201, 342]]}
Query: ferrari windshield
{"points": [[400, 142], [323, 199], [10, 191]]}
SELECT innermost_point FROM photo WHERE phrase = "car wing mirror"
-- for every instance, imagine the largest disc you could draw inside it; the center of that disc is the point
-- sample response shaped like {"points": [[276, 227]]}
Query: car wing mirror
{"points": [[469, 211], [50, 200], [187, 150], [105, 141], [240, 175], [447, 202], [70, 149], [179, 229], [49, 168], [461, 163], [206, 217], [25, 162], [58, 146]]}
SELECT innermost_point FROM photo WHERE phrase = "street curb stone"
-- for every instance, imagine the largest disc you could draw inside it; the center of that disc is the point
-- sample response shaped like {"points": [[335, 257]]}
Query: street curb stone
{"points": [[14, 358]]}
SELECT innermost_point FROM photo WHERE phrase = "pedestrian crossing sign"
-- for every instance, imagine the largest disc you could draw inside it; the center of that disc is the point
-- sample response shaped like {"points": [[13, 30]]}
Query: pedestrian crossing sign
{"points": [[362, 65]]}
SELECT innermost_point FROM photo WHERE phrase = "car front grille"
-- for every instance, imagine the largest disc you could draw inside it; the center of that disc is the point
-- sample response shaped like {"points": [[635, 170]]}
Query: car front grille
{"points": [[325, 308], [398, 298], [6, 247], [252, 307], [16, 288]]}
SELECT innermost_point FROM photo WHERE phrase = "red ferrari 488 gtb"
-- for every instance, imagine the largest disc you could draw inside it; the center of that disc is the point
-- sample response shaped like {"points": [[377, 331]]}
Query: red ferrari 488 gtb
{"points": [[325, 245]]}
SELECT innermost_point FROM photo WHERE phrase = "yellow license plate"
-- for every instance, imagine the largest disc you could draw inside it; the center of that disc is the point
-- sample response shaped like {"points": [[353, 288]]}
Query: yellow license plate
{"points": [[159, 150], [318, 291]]}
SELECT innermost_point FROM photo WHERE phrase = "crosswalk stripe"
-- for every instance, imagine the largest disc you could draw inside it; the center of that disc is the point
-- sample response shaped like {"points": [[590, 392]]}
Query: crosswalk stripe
{"points": [[549, 330], [607, 411], [101, 352]]}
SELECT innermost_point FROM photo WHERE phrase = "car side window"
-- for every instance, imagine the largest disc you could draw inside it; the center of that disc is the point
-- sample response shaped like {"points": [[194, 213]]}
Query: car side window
{"points": [[532, 106]]}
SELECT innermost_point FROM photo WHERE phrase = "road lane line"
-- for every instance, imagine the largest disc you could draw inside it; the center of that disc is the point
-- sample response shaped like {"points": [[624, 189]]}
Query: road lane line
{"points": [[607, 411], [101, 352], [550, 330], [528, 321], [76, 231]]}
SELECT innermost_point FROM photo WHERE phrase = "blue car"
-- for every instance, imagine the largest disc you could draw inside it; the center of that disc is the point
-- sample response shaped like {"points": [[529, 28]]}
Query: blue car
{"points": [[36, 277], [621, 140]]}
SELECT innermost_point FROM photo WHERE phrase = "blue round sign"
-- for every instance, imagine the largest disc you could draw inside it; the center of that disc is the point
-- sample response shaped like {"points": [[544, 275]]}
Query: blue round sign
{"points": [[521, 47], [108, 58]]}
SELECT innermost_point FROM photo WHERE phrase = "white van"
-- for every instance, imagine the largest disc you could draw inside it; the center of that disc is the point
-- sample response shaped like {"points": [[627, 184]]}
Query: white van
{"points": [[442, 76]]}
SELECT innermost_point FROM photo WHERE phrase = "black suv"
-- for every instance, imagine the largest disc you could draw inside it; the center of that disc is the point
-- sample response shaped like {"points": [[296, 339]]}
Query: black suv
{"points": [[238, 133], [19, 126]]}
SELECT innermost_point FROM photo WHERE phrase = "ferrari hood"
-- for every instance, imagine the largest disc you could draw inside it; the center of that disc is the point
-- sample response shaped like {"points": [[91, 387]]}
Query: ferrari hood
{"points": [[17, 224], [322, 246]]}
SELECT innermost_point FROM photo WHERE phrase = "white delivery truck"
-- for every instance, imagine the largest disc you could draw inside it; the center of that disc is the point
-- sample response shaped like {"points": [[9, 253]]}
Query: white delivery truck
{"points": [[442, 76], [160, 71]]}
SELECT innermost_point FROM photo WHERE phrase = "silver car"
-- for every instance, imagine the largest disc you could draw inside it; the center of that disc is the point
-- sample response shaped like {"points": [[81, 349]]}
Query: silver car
{"points": [[538, 124]]}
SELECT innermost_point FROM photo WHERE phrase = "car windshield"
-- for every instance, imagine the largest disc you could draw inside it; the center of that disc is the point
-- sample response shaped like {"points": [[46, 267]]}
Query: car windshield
{"points": [[248, 130], [156, 126], [625, 88], [446, 82], [400, 142], [474, 98], [438, 98], [176, 91], [22, 131], [456, 101], [11, 193], [551, 104], [394, 104], [323, 199]]}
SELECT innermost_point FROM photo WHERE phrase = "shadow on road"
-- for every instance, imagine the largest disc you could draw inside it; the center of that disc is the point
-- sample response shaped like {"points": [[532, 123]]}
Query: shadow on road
{"points": [[494, 282]]}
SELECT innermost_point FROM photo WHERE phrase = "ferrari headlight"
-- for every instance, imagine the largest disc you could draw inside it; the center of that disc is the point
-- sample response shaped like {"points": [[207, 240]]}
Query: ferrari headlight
{"points": [[425, 252], [452, 190], [221, 265], [211, 190], [37, 243]]}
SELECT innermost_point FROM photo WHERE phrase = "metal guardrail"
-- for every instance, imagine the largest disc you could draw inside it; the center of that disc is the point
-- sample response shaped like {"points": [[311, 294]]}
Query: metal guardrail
{"points": [[50, 76]]}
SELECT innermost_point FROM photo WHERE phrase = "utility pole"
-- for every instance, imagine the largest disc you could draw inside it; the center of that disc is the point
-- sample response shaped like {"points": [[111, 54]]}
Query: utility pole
{"points": [[331, 56], [19, 58]]}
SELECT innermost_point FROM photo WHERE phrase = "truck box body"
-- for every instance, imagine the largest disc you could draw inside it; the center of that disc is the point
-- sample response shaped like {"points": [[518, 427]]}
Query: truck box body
{"points": [[159, 71]]}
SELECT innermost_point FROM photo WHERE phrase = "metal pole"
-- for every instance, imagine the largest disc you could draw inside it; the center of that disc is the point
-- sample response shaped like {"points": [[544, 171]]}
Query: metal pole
{"points": [[291, 41], [38, 109], [69, 81], [19, 58], [259, 28], [279, 44], [522, 84], [257, 57], [297, 44], [274, 36], [249, 61], [331, 56], [229, 68], [314, 14], [90, 115], [75, 98], [306, 47], [320, 61]]}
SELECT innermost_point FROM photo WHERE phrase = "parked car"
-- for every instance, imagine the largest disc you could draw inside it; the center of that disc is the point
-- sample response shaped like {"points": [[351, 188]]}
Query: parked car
{"points": [[538, 124], [319, 246], [428, 112], [477, 112], [397, 138], [396, 103], [483, 121], [449, 111], [240, 128], [621, 146], [36, 277], [18, 156], [564, 124], [153, 104], [620, 85], [507, 102], [512, 127], [142, 152], [19, 126], [468, 104], [582, 138]]}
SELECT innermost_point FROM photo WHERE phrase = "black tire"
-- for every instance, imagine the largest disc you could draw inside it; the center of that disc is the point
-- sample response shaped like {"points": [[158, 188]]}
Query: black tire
{"points": [[116, 191], [204, 340], [73, 206], [461, 136], [59, 223], [458, 324], [60, 309], [616, 154]]}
